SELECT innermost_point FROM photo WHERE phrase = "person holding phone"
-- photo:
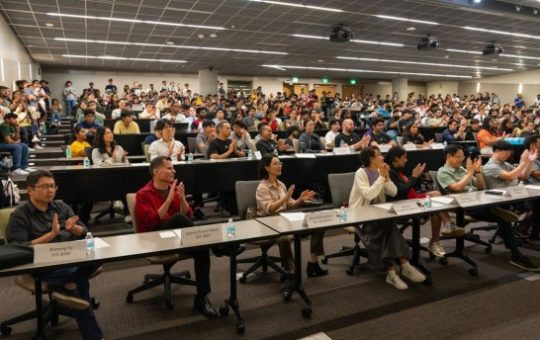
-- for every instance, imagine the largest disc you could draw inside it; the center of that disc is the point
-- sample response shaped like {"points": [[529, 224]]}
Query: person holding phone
{"points": [[396, 158], [106, 151]]}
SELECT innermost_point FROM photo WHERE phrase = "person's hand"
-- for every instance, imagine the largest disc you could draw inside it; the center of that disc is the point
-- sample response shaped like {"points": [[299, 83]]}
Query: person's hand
{"points": [[418, 170], [478, 165], [172, 190], [430, 141], [170, 147], [306, 195], [55, 225], [365, 140], [384, 171], [533, 155], [469, 166], [290, 191], [124, 157], [71, 223], [233, 145], [180, 188]]}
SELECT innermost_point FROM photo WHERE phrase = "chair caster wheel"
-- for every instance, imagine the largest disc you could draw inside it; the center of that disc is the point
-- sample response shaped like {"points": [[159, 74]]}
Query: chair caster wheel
{"points": [[240, 328], [473, 272], [306, 312], [428, 281], [5, 330], [169, 305], [242, 279], [129, 298], [487, 250], [224, 310], [349, 271], [443, 261], [324, 261]]}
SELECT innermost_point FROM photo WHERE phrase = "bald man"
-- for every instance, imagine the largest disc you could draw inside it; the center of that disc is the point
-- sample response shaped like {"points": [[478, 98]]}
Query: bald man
{"points": [[349, 138]]}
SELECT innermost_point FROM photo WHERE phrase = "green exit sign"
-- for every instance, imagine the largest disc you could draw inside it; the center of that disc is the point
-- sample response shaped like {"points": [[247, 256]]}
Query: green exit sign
{"points": [[295, 79], [353, 81], [325, 80]]}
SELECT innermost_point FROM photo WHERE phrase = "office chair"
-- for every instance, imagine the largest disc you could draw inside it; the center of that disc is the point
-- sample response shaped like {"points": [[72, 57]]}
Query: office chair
{"points": [[167, 261], [340, 189], [51, 309], [245, 199]]}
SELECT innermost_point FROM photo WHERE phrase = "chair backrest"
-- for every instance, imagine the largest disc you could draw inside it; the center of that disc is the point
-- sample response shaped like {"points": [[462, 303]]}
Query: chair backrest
{"points": [[340, 187], [145, 148], [296, 145], [4, 219], [323, 141], [192, 144], [438, 137], [130, 200], [245, 196], [436, 183]]}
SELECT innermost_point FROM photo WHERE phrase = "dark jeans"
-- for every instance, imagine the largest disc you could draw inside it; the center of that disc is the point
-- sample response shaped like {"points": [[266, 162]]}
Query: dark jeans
{"points": [[505, 228], [201, 257], [86, 319]]}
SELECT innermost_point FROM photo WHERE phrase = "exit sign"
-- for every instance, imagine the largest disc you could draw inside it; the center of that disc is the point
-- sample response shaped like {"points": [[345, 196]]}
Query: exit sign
{"points": [[325, 80], [295, 79], [353, 81]]}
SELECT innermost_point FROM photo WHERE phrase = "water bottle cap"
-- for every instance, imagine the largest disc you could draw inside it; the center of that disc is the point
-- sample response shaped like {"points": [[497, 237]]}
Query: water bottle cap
{"points": [[230, 220]]}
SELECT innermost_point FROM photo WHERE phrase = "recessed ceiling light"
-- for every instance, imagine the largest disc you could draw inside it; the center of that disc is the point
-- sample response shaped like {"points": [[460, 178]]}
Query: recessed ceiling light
{"points": [[201, 36], [170, 42], [337, 69], [187, 47], [149, 22], [392, 61], [521, 35], [108, 57], [506, 55], [358, 41], [411, 29], [49, 24], [290, 4], [390, 17], [213, 35]]}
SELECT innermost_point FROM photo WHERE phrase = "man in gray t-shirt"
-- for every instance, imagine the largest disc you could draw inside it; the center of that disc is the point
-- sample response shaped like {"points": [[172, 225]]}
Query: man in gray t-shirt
{"points": [[498, 173]]}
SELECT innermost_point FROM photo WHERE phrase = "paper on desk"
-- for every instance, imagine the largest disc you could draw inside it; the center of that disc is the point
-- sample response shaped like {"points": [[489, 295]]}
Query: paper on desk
{"points": [[305, 155], [178, 233], [385, 206], [167, 234], [99, 243], [139, 164], [442, 199], [294, 216], [533, 187]]}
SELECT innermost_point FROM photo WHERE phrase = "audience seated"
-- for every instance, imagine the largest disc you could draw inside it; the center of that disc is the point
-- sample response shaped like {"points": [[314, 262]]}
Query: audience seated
{"points": [[349, 138], [309, 141], [79, 145], [10, 132], [267, 142], [166, 146], [106, 151], [89, 123], [378, 136], [126, 125]]}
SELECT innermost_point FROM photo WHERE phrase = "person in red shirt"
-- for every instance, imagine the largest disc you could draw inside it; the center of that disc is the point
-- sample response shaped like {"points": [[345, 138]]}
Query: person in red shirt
{"points": [[161, 204]]}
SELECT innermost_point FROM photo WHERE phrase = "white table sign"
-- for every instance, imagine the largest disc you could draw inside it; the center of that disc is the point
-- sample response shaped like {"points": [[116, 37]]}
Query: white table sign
{"points": [[443, 199], [406, 207], [409, 147], [198, 235], [305, 155], [437, 146], [342, 151], [384, 147], [320, 219], [465, 200], [60, 251], [518, 191]]}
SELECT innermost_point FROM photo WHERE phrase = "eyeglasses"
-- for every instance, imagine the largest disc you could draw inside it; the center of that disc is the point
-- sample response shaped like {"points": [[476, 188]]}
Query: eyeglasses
{"points": [[46, 186]]}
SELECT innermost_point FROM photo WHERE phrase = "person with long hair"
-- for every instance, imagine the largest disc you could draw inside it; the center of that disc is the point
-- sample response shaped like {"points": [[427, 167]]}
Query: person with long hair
{"points": [[106, 151], [488, 135]]}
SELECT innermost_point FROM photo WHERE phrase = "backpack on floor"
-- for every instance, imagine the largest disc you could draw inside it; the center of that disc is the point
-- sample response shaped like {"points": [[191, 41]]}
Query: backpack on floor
{"points": [[10, 194]]}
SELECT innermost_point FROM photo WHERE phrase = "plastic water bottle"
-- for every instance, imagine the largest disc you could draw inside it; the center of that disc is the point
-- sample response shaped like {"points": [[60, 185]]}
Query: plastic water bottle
{"points": [[90, 245], [427, 202], [342, 214], [68, 152], [444, 144], [276, 152], [250, 154], [190, 157], [86, 163], [231, 228]]}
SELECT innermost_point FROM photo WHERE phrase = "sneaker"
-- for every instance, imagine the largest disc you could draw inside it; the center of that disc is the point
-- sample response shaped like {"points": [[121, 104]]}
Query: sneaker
{"points": [[412, 273], [70, 299], [38, 147], [118, 206], [436, 248], [20, 172], [36, 139], [31, 149], [504, 214], [30, 169], [524, 263], [393, 278], [452, 230], [314, 270]]}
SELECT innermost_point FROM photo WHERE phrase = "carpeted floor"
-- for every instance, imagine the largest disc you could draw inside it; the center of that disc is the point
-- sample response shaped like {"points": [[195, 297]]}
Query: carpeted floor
{"points": [[496, 304]]}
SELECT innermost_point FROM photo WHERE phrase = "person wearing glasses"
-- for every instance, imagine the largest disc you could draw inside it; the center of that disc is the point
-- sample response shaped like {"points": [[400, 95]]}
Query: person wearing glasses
{"points": [[273, 197], [42, 219]]}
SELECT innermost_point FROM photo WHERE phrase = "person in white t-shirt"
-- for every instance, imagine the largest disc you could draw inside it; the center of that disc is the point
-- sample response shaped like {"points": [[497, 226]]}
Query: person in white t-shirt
{"points": [[332, 133], [167, 145]]}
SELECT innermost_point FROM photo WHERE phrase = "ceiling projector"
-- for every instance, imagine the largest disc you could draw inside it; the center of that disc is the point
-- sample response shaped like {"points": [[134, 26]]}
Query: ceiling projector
{"points": [[493, 49], [341, 34], [428, 43]]}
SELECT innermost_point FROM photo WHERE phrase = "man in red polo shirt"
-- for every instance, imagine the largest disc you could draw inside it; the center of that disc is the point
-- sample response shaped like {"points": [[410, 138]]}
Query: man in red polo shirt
{"points": [[161, 204]]}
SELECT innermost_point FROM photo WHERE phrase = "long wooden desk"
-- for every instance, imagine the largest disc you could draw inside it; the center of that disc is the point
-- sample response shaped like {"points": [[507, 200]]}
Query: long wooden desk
{"points": [[125, 247]]}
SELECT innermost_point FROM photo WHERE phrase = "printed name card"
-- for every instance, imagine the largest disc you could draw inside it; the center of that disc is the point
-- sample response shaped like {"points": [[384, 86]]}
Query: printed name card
{"points": [[203, 234], [258, 155], [60, 251], [518, 191], [437, 146], [406, 207], [305, 155], [345, 150], [409, 147], [465, 200], [384, 147], [320, 219]]}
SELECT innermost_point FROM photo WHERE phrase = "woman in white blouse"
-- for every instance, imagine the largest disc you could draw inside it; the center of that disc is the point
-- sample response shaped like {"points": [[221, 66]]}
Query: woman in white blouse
{"points": [[106, 151], [385, 245]]}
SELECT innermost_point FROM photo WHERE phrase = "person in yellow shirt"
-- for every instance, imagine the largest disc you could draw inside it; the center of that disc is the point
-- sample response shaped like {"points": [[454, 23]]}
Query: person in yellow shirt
{"points": [[126, 125], [79, 146]]}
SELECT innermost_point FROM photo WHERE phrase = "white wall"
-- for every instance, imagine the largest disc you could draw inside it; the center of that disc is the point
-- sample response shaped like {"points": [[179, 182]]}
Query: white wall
{"points": [[442, 87], [15, 61]]}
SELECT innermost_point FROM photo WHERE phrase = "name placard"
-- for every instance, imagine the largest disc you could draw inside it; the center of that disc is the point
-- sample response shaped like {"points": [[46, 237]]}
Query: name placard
{"points": [[437, 146], [320, 219], [60, 251], [305, 155], [198, 235], [406, 207], [384, 147], [258, 155], [409, 147], [345, 150], [518, 191], [465, 200]]}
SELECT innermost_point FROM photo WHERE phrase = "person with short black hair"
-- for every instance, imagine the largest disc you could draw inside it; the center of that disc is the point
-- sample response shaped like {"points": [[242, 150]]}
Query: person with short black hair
{"points": [[166, 145], [310, 142], [332, 133], [242, 137], [42, 219], [454, 132], [267, 143], [80, 144], [207, 135], [110, 87], [222, 147], [161, 204], [89, 123], [378, 136], [126, 125], [10, 134]]}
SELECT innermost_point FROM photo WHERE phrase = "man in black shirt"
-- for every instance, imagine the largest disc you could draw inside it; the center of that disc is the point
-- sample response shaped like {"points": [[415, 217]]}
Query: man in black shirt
{"points": [[110, 87], [349, 138], [266, 144], [222, 147], [378, 136]]}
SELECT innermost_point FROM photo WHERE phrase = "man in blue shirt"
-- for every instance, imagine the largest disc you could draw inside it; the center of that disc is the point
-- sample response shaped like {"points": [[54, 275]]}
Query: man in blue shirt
{"points": [[454, 132], [89, 123]]}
